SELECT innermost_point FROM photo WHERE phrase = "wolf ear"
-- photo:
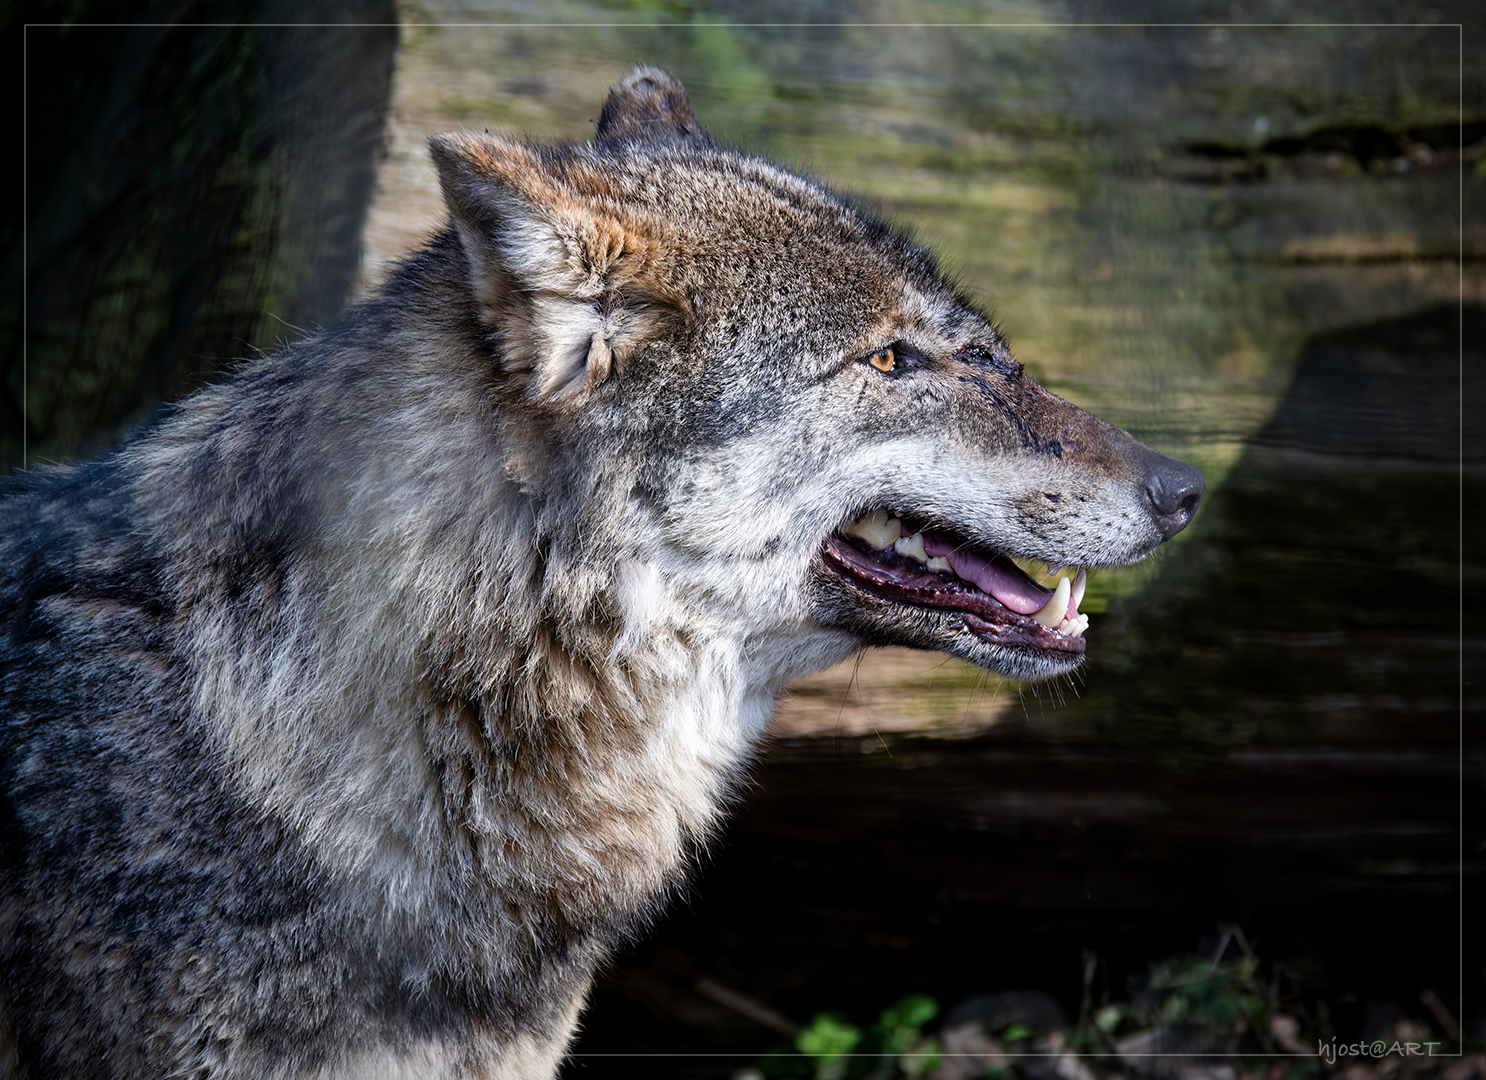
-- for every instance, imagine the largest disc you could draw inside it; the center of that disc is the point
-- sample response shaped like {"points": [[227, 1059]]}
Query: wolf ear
{"points": [[651, 107], [571, 282]]}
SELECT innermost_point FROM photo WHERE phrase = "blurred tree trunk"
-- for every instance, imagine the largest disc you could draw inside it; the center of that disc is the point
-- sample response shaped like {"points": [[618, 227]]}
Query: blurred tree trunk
{"points": [[196, 181]]}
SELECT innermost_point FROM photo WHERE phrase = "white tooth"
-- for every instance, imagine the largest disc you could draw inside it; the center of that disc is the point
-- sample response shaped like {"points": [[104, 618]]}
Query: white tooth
{"points": [[1057, 608], [1076, 627], [912, 546], [876, 528], [1080, 584], [939, 562]]}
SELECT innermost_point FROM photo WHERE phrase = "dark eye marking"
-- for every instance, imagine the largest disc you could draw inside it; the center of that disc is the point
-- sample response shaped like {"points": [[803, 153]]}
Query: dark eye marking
{"points": [[1014, 417], [895, 359], [981, 356]]}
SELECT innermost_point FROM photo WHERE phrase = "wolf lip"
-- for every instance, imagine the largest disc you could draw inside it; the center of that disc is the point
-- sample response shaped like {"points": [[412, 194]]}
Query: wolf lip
{"points": [[927, 569]]}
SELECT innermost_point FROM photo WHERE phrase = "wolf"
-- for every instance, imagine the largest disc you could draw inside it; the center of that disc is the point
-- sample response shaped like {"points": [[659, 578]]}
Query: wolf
{"points": [[355, 711]]}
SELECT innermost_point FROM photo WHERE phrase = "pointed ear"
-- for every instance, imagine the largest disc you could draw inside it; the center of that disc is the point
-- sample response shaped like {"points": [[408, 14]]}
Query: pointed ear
{"points": [[651, 107], [573, 284]]}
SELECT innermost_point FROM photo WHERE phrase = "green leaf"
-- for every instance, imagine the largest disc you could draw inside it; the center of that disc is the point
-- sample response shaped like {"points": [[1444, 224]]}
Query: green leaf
{"points": [[828, 1037], [1110, 1017], [912, 1010], [1174, 1009]]}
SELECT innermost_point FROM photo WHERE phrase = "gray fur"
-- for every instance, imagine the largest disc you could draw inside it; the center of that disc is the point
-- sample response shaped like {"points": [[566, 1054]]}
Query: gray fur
{"points": [[354, 712]]}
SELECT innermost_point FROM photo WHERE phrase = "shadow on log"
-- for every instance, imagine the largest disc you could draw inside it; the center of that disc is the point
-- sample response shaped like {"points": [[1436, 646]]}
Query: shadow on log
{"points": [[1318, 601]]}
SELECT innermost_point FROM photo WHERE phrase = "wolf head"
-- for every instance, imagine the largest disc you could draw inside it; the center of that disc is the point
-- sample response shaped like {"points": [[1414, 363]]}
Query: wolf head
{"points": [[753, 404]]}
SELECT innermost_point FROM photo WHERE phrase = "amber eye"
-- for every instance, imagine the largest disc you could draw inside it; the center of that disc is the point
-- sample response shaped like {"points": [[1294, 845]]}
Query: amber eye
{"points": [[884, 359]]}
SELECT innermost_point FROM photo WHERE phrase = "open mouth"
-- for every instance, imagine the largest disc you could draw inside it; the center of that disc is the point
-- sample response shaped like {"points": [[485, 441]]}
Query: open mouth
{"points": [[908, 563]]}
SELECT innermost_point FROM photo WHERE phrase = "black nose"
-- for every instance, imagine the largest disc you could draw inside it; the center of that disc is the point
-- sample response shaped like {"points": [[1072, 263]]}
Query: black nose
{"points": [[1175, 491]]}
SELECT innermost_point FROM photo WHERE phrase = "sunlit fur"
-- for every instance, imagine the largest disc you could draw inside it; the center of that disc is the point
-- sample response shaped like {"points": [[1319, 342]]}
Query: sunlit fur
{"points": [[354, 712]]}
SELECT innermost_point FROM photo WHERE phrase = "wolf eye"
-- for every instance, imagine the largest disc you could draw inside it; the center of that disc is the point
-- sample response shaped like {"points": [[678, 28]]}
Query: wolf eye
{"points": [[895, 360]]}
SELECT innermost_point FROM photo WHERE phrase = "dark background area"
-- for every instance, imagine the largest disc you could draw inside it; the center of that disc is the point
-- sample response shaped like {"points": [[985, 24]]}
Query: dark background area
{"points": [[194, 191]]}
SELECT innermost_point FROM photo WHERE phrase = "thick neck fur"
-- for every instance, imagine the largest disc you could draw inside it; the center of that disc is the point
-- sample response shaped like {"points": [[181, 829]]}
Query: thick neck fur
{"points": [[510, 678]]}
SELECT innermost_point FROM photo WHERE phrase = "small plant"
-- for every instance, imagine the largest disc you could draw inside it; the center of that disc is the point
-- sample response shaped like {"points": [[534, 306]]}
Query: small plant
{"points": [[828, 1039], [1188, 1013], [1200, 990], [832, 1048]]}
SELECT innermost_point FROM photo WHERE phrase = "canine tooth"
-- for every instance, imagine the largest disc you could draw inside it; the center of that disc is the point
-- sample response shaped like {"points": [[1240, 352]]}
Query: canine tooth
{"points": [[912, 546], [876, 528], [1080, 584], [1057, 608], [939, 562]]}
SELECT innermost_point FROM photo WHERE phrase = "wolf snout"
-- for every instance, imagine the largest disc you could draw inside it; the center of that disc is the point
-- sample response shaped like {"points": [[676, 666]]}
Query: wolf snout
{"points": [[1173, 491]]}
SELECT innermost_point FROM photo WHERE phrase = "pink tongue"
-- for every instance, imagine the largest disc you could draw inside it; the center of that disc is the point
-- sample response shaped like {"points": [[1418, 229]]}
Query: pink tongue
{"points": [[1007, 584]]}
